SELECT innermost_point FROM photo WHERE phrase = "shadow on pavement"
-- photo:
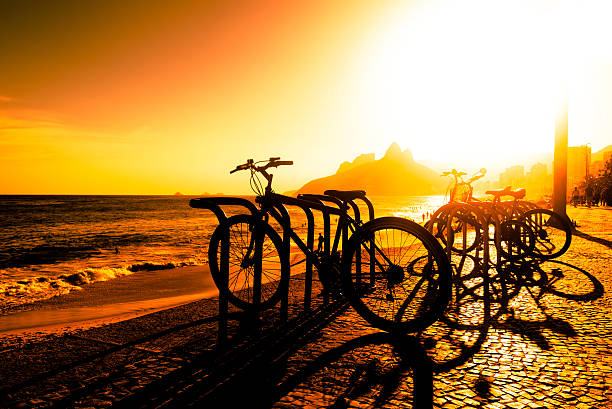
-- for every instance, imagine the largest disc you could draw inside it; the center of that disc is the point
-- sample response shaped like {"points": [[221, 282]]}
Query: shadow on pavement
{"points": [[589, 237], [373, 369]]}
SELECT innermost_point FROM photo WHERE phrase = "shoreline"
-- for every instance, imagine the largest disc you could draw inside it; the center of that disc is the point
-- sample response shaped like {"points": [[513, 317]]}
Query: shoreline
{"points": [[147, 292], [105, 302]]}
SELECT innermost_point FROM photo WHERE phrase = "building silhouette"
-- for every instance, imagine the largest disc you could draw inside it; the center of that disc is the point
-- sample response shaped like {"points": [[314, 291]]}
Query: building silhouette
{"points": [[578, 165], [512, 176]]}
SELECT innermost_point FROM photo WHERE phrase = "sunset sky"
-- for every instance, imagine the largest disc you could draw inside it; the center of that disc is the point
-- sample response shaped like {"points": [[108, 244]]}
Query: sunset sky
{"points": [[153, 97]]}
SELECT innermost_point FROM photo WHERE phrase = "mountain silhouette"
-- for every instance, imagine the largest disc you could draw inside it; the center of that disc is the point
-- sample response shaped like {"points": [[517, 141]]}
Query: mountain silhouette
{"points": [[599, 155], [395, 174]]}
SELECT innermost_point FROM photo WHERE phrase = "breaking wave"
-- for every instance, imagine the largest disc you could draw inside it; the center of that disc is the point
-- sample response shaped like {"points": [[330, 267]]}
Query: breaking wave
{"points": [[18, 292]]}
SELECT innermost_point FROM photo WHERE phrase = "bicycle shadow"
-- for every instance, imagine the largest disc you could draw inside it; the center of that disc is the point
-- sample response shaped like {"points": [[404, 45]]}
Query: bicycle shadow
{"points": [[475, 309], [463, 327], [533, 330], [378, 368], [563, 280], [373, 369]]}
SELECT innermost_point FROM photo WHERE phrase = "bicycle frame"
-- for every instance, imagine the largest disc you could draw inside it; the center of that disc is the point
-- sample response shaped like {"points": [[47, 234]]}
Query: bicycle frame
{"points": [[271, 205]]}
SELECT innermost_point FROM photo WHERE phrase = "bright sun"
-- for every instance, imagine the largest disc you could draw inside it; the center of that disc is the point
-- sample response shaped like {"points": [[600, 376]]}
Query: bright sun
{"points": [[472, 77]]}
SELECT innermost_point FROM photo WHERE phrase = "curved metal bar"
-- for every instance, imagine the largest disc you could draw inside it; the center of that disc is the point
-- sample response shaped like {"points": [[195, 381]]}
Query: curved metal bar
{"points": [[369, 205], [358, 219], [286, 225], [309, 244], [302, 200], [214, 204], [323, 198], [356, 211], [315, 200], [361, 195]]}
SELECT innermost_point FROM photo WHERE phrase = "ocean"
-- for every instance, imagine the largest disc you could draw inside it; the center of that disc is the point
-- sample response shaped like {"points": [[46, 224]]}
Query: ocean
{"points": [[52, 245]]}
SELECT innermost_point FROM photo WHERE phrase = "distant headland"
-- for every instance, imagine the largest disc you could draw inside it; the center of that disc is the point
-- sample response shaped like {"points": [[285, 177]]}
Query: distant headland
{"points": [[395, 174]]}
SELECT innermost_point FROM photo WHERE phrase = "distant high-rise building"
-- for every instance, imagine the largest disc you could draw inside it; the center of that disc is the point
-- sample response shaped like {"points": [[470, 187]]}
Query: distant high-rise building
{"points": [[538, 181], [578, 165], [537, 171], [512, 176]]}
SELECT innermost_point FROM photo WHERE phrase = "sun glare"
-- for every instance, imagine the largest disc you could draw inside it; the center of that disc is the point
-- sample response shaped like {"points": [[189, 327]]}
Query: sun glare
{"points": [[471, 77]]}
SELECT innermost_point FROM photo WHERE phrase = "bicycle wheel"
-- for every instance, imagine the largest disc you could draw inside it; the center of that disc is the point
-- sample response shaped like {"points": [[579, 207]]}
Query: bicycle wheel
{"points": [[257, 269], [553, 234], [465, 229], [396, 275], [517, 274], [514, 240]]}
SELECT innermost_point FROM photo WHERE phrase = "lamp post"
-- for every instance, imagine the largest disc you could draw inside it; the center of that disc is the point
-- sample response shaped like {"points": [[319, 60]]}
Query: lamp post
{"points": [[560, 163]]}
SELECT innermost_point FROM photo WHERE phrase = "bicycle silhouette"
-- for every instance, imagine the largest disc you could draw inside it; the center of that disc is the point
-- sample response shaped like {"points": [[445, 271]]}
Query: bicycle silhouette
{"points": [[487, 241], [519, 228], [392, 271]]}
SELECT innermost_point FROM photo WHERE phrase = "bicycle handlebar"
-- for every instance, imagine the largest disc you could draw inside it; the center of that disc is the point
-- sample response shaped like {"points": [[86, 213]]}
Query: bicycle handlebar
{"points": [[474, 177], [454, 173], [239, 167], [281, 163], [273, 162]]}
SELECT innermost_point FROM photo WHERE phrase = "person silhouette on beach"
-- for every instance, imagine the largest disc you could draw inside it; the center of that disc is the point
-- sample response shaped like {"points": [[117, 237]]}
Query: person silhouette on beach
{"points": [[575, 196], [320, 246]]}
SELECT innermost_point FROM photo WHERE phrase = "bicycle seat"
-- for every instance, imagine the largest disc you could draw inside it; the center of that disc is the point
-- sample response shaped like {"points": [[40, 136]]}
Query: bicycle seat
{"points": [[517, 194], [346, 195]]}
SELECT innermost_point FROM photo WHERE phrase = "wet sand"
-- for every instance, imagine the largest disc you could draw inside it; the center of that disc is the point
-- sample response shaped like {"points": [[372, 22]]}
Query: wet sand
{"points": [[111, 301]]}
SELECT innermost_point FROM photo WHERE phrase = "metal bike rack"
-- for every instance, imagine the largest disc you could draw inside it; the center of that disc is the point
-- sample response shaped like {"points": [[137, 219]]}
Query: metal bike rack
{"points": [[325, 209], [355, 207], [320, 200], [328, 205], [214, 204], [307, 205], [309, 244], [485, 248]]}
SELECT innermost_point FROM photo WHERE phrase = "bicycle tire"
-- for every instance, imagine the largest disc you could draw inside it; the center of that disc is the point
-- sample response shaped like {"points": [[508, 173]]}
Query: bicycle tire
{"points": [[514, 240], [238, 283], [465, 221], [553, 234], [409, 286]]}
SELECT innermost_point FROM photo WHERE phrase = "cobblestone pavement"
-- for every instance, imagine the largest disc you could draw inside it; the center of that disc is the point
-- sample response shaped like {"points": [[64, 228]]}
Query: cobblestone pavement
{"points": [[552, 349]]}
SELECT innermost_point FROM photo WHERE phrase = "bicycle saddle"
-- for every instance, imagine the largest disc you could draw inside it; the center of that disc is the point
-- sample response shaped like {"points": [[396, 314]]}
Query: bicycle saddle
{"points": [[507, 191], [346, 195]]}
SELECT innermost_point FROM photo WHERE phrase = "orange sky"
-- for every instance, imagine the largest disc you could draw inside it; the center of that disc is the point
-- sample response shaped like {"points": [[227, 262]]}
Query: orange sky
{"points": [[114, 97]]}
